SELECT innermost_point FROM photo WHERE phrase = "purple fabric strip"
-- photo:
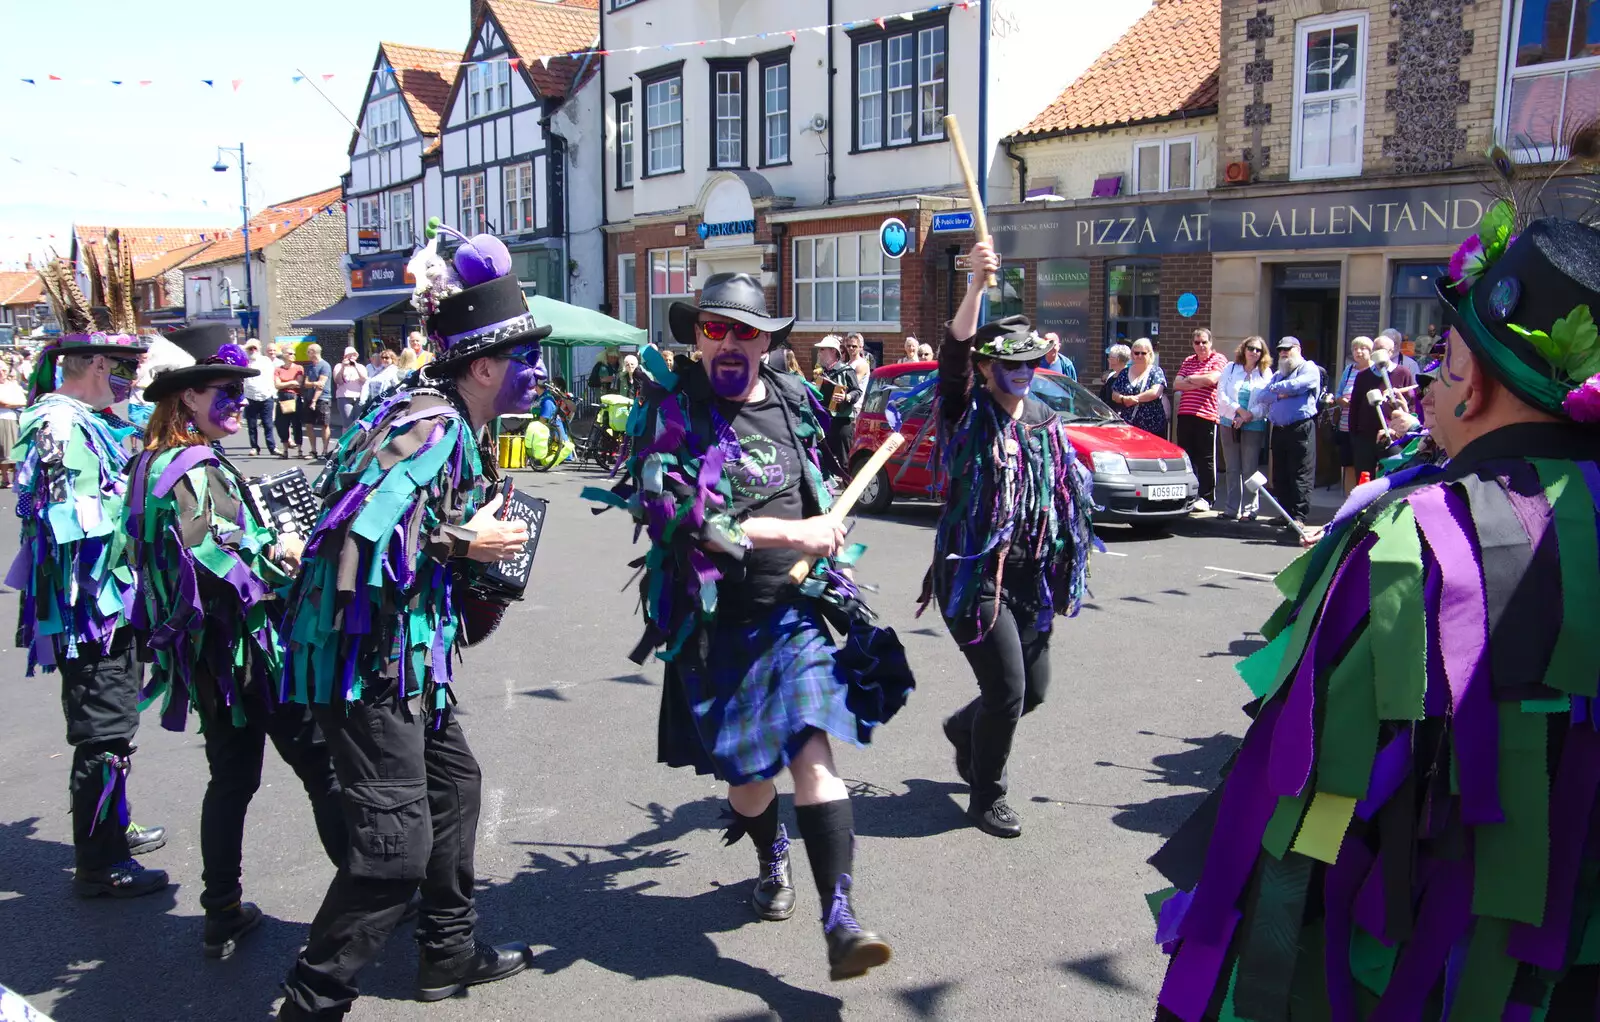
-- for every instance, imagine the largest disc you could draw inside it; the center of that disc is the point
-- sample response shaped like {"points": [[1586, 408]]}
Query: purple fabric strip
{"points": [[1246, 806], [180, 465], [1446, 911], [1364, 495], [1170, 919], [1389, 769], [1446, 524], [1294, 740], [1340, 886], [1371, 908], [21, 574], [1571, 799], [1518, 1012], [1192, 976], [426, 413]]}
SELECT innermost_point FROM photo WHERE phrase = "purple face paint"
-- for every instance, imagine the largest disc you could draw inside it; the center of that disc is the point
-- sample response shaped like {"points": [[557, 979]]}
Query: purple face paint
{"points": [[1014, 377], [120, 389], [226, 403], [730, 374], [518, 389]]}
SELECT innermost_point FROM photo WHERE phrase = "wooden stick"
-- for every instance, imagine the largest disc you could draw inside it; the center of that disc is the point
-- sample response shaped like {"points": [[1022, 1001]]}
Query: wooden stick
{"points": [[980, 219], [851, 494]]}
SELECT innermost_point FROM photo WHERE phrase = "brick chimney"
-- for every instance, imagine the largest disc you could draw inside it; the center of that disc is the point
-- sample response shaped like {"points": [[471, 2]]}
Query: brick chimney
{"points": [[478, 9]]}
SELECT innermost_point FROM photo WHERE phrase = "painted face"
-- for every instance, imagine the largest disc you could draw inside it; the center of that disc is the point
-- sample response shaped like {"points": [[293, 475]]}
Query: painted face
{"points": [[520, 385], [227, 401], [122, 376], [731, 363], [1013, 377]]}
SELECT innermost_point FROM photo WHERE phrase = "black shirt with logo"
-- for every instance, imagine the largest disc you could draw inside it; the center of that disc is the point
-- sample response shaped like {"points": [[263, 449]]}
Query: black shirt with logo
{"points": [[766, 480]]}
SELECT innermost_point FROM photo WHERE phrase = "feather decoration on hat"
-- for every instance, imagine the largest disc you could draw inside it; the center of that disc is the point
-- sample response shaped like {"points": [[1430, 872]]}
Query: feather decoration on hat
{"points": [[66, 298], [163, 356], [1554, 190], [97, 280], [119, 284], [435, 275]]}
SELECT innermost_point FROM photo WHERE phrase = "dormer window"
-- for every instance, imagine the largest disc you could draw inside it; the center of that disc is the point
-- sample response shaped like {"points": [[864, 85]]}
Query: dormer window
{"points": [[488, 87], [383, 121]]}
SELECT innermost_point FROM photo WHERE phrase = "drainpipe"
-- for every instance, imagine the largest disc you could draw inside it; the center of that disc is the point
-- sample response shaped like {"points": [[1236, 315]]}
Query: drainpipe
{"points": [[779, 232], [605, 190], [1022, 170], [983, 101], [831, 73]]}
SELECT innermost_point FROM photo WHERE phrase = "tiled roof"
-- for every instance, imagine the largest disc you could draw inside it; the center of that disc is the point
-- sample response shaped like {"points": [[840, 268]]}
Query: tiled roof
{"points": [[536, 29], [268, 226], [425, 76], [1165, 65], [153, 247], [22, 287]]}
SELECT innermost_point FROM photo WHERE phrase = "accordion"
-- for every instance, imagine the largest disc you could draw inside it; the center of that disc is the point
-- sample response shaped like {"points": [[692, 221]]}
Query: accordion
{"points": [[487, 589], [287, 501]]}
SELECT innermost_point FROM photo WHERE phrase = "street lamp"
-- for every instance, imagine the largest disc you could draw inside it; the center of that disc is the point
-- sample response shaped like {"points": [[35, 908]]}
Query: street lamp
{"points": [[244, 210]]}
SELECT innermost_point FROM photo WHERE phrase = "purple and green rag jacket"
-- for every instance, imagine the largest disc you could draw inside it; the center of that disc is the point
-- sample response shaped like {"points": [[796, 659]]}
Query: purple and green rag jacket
{"points": [[1407, 831], [71, 569]]}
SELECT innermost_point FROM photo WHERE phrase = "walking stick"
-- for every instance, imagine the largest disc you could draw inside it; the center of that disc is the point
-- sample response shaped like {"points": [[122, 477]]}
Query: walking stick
{"points": [[980, 219], [851, 494]]}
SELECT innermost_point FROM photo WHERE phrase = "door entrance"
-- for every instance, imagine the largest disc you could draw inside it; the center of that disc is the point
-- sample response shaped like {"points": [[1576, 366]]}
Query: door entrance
{"points": [[1305, 304]]}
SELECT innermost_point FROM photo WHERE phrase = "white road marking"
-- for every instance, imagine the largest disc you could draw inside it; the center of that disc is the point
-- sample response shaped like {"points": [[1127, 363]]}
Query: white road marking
{"points": [[494, 805], [511, 686], [1112, 553], [1246, 574]]}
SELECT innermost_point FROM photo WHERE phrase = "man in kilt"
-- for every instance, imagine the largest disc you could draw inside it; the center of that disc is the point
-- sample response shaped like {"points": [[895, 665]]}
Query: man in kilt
{"points": [[725, 480]]}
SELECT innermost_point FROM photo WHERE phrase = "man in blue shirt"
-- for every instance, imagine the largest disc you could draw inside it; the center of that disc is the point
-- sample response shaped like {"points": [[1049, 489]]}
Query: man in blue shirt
{"points": [[316, 397], [1055, 361], [1293, 415]]}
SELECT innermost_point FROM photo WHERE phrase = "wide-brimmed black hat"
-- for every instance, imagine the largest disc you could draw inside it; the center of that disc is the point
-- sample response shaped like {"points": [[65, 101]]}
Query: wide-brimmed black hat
{"points": [[1009, 340], [216, 357], [1528, 317], [481, 321], [735, 296]]}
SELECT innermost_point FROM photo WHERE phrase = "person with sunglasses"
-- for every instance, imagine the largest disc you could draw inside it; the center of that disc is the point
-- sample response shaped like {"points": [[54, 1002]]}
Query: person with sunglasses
{"points": [[1196, 421], [726, 480], [1242, 402], [72, 573], [208, 562], [408, 494], [1011, 548]]}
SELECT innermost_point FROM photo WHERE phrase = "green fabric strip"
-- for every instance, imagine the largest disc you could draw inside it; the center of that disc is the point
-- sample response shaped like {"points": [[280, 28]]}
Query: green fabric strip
{"points": [[1486, 979], [1398, 627], [1260, 670], [1572, 661], [1269, 945], [1347, 742], [1513, 858], [1229, 1013], [1155, 899], [1285, 821], [1371, 962]]}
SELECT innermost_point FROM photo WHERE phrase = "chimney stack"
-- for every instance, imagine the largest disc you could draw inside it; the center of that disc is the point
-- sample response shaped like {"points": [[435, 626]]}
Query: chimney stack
{"points": [[478, 9]]}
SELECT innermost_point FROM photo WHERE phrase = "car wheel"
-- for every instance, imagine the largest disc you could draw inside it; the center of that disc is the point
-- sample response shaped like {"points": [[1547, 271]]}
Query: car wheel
{"points": [[878, 495]]}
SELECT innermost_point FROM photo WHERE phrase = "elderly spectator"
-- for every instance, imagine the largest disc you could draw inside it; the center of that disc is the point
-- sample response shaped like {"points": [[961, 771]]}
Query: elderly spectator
{"points": [[349, 380], [1391, 340], [13, 399], [1392, 381], [912, 350], [603, 377], [1196, 384], [287, 379], [1117, 358], [1242, 402], [1138, 389], [1293, 415], [1054, 360], [385, 380], [259, 395], [925, 353], [1360, 359]]}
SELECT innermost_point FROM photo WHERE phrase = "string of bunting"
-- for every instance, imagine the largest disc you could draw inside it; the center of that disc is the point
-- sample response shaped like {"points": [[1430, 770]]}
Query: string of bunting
{"points": [[544, 60]]}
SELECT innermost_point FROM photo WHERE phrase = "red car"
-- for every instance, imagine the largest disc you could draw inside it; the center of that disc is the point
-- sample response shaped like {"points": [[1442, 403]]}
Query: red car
{"points": [[1138, 476]]}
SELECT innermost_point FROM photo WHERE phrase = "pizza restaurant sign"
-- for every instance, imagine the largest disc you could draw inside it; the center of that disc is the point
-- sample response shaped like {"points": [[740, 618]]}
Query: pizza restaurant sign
{"points": [[1375, 218]]}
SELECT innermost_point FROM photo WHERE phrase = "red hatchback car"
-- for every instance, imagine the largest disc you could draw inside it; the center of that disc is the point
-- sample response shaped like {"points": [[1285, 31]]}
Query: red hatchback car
{"points": [[1138, 476]]}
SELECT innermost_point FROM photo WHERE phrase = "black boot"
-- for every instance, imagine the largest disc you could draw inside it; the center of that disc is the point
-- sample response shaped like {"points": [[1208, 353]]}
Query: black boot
{"points": [[959, 734], [224, 928], [144, 840], [291, 1012], [127, 879], [773, 897], [997, 818], [851, 950], [482, 963]]}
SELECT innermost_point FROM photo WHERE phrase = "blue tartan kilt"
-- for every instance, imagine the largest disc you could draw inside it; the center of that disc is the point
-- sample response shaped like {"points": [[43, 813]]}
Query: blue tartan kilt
{"points": [[764, 687]]}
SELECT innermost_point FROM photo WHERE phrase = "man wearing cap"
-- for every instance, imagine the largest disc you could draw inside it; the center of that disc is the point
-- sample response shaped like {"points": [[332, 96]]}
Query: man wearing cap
{"points": [[1293, 416], [75, 582], [723, 482], [841, 389], [260, 395], [1412, 801], [374, 621]]}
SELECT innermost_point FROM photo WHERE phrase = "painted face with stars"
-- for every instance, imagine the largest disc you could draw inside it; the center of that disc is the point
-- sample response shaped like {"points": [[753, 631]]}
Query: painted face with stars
{"points": [[519, 388]]}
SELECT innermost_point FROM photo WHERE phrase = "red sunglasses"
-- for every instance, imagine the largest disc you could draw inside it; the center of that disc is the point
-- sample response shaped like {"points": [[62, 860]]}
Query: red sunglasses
{"points": [[717, 330]]}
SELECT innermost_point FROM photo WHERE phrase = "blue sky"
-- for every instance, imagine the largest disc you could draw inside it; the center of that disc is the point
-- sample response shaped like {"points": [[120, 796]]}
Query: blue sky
{"points": [[130, 143]]}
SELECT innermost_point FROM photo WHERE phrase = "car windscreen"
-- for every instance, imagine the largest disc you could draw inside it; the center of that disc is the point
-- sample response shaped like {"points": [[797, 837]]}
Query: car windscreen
{"points": [[1070, 400]]}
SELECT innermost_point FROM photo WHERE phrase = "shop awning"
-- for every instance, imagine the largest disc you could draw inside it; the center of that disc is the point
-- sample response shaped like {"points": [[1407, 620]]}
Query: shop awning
{"points": [[348, 311], [572, 324]]}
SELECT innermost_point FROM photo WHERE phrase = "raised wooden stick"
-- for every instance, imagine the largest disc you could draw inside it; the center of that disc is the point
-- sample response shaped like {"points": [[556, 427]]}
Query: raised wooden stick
{"points": [[851, 494], [980, 219]]}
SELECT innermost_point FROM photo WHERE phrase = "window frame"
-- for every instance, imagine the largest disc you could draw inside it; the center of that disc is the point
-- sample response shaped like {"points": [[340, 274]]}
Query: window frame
{"points": [[1165, 176], [892, 270], [1302, 29], [383, 121], [648, 80], [766, 62], [395, 241], [515, 222], [1553, 149], [628, 301], [1132, 265], [870, 36], [486, 78], [481, 194], [370, 212], [717, 67], [665, 296], [627, 148]]}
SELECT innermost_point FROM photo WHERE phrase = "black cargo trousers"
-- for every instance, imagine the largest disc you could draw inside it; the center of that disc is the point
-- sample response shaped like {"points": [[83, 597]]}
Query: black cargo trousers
{"points": [[100, 700], [411, 795]]}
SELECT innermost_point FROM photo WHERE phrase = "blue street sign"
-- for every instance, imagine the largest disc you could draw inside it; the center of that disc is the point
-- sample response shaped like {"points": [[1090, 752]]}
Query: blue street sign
{"points": [[957, 221], [894, 237], [1188, 305]]}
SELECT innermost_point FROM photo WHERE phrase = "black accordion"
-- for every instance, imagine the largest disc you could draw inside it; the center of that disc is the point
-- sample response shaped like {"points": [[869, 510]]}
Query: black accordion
{"points": [[286, 499], [486, 590]]}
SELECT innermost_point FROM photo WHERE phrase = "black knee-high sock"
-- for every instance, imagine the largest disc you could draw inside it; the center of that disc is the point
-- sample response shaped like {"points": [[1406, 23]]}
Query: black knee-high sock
{"points": [[763, 829], [829, 833]]}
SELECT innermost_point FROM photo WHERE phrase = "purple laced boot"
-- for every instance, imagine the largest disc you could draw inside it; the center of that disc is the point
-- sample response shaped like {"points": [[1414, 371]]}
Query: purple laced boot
{"points": [[773, 897], [851, 950]]}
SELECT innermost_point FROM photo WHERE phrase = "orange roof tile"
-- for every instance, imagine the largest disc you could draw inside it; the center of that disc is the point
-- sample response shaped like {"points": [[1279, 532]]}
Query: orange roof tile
{"points": [[1165, 65], [22, 287], [152, 246], [536, 29], [425, 76], [268, 226]]}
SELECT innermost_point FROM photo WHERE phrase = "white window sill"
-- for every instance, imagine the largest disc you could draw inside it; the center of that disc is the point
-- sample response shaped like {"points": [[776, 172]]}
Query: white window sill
{"points": [[1324, 174]]}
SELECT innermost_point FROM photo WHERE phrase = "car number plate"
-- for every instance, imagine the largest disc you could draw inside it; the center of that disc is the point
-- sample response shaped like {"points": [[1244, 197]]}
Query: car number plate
{"points": [[1168, 492]]}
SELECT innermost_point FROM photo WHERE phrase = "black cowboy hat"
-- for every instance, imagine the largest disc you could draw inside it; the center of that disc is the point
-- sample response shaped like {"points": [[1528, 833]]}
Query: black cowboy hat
{"points": [[1009, 340], [216, 358], [1545, 274], [735, 296], [482, 321]]}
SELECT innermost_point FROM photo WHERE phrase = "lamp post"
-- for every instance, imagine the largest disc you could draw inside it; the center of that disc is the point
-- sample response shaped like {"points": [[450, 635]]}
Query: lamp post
{"points": [[244, 211]]}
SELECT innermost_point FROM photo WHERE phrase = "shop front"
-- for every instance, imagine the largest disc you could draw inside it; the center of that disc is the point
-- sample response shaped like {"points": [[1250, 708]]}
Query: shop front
{"points": [[376, 309]]}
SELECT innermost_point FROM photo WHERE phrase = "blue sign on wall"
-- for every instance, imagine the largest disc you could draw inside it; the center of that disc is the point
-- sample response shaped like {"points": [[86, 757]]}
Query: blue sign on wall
{"points": [[894, 237], [731, 229], [1188, 305], [957, 221]]}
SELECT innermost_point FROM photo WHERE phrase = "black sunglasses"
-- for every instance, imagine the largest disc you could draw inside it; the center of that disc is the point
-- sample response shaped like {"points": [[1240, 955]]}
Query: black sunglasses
{"points": [[1258, 351]]}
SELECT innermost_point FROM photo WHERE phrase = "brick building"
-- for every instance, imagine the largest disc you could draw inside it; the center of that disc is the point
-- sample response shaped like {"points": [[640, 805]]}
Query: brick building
{"points": [[158, 253]]}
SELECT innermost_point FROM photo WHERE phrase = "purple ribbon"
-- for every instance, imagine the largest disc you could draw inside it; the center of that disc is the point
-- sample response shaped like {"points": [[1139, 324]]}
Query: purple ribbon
{"points": [[1192, 976], [1571, 798], [479, 331], [1445, 915], [180, 465], [1340, 888], [1389, 770]]}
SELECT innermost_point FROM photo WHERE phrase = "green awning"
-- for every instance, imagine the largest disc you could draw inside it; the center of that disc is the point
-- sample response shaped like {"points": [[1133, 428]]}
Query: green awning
{"points": [[572, 325]]}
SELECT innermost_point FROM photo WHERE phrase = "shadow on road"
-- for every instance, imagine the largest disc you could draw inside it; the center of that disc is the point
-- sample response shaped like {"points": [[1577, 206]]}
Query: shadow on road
{"points": [[1197, 766], [1097, 969], [108, 959]]}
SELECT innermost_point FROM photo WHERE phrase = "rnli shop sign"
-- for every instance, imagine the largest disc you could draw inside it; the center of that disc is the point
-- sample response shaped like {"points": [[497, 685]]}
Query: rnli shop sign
{"points": [[1372, 218]]}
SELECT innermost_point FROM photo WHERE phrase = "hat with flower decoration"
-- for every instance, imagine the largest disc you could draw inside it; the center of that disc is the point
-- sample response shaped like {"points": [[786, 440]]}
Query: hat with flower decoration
{"points": [[195, 356], [1009, 340], [471, 302]]}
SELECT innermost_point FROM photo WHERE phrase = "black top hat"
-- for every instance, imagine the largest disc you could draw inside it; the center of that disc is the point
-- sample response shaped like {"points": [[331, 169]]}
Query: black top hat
{"points": [[483, 320], [1009, 340], [735, 296], [1512, 316], [215, 357]]}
